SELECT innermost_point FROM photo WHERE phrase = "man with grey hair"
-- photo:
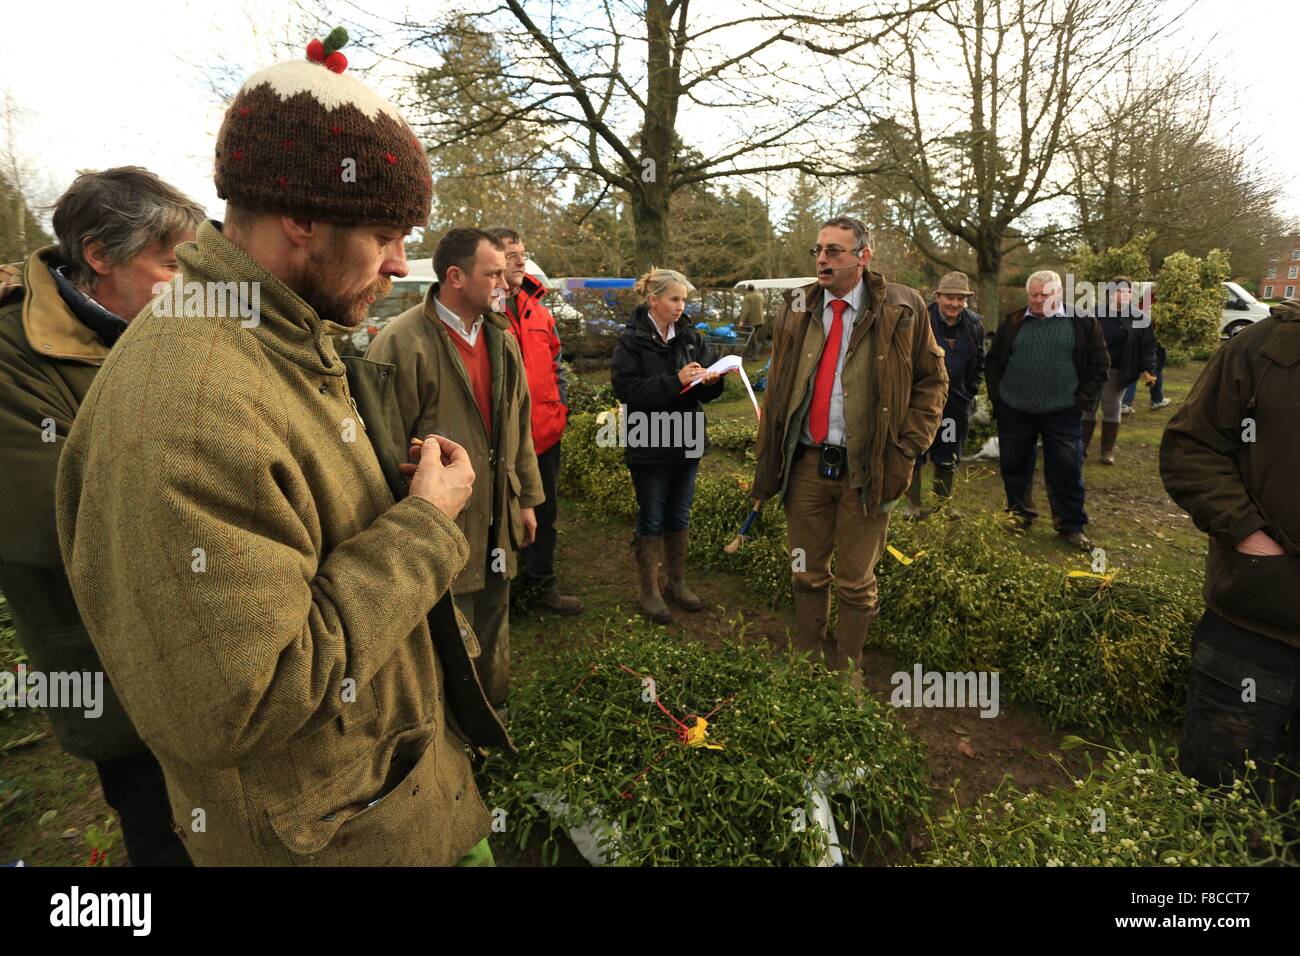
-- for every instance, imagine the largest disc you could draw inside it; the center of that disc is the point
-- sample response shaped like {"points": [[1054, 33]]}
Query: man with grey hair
{"points": [[1046, 365], [117, 232], [855, 393]]}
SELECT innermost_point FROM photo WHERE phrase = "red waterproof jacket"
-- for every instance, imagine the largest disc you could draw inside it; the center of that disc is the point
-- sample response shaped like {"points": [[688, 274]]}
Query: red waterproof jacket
{"points": [[539, 341]]}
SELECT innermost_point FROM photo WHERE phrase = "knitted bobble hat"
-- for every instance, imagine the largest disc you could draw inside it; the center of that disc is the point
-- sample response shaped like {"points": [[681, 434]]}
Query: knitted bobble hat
{"points": [[304, 138]]}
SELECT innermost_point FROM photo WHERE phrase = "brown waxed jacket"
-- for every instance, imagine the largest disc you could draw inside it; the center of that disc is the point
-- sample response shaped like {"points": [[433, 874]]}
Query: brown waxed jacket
{"points": [[48, 360], [894, 384], [434, 395], [1230, 457]]}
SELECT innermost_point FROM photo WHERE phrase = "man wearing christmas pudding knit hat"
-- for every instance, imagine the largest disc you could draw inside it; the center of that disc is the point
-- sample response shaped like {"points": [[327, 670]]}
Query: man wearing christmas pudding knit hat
{"points": [[267, 594]]}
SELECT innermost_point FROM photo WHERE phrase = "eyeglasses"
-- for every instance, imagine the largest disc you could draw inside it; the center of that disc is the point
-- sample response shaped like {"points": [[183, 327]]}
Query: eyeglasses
{"points": [[519, 257], [832, 252]]}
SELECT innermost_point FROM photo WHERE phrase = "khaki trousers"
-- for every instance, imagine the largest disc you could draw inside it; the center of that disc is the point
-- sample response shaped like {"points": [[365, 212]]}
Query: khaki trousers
{"points": [[488, 612], [825, 516]]}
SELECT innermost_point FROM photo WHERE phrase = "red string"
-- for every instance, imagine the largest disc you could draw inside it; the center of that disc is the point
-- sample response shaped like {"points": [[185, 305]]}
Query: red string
{"points": [[683, 727], [584, 680]]}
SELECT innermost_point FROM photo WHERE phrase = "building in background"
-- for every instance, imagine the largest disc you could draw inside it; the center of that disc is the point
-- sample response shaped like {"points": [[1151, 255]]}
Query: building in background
{"points": [[1282, 277]]}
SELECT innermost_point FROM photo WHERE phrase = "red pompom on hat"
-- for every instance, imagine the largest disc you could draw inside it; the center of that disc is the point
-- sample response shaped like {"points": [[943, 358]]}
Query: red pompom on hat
{"points": [[354, 158]]}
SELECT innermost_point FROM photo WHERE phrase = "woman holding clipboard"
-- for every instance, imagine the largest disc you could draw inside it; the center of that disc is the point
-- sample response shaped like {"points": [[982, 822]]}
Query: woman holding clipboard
{"points": [[660, 373]]}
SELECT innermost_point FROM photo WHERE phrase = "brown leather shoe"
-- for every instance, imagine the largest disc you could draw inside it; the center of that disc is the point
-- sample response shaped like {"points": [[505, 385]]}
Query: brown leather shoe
{"points": [[1079, 540], [558, 603]]}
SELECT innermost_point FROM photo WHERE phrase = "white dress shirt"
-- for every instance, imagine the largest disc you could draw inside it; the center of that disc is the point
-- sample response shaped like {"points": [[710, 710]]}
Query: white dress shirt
{"points": [[835, 428], [456, 324]]}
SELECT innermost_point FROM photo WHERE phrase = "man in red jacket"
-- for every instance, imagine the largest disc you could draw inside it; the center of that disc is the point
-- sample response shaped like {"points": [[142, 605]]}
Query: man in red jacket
{"points": [[534, 327]]}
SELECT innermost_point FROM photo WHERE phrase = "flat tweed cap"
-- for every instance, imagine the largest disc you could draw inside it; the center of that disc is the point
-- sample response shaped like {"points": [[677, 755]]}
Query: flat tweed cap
{"points": [[301, 139]]}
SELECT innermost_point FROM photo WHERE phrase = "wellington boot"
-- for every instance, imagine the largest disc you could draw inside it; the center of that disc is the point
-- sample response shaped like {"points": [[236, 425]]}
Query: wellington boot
{"points": [[675, 588], [1109, 436], [649, 551]]}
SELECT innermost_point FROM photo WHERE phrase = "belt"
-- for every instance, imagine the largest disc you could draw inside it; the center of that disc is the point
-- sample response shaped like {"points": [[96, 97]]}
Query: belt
{"points": [[801, 449]]}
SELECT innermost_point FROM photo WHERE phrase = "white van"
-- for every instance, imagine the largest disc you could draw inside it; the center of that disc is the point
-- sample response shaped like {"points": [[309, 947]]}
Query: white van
{"points": [[1240, 309]]}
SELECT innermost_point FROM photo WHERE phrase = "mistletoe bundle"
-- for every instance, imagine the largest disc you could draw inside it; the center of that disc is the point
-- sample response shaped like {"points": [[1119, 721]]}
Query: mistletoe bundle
{"points": [[673, 753]]}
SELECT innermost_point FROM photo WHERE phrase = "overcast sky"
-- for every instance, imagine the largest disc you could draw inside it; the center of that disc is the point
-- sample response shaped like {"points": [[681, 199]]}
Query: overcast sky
{"points": [[120, 82]]}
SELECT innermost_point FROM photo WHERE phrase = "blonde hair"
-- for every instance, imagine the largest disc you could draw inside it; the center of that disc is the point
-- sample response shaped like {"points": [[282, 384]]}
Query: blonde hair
{"points": [[657, 282]]}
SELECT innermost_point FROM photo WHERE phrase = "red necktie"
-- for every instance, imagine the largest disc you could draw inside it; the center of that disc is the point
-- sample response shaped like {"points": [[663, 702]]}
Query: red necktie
{"points": [[819, 420]]}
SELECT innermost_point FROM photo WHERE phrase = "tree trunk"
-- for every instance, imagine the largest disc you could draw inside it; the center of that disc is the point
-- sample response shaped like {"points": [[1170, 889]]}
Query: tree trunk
{"points": [[651, 202], [988, 257], [650, 221]]}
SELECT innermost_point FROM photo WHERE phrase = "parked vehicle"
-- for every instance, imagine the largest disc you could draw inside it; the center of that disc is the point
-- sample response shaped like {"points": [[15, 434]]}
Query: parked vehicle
{"points": [[1240, 309]]}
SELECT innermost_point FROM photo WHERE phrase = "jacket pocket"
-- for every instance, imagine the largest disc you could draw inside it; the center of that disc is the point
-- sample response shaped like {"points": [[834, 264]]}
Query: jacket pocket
{"points": [[467, 635], [898, 467], [358, 807], [1255, 588], [512, 508]]}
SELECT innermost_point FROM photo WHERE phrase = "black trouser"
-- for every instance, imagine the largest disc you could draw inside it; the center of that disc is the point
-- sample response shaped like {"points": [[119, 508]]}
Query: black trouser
{"points": [[134, 787], [1230, 663], [539, 557], [1062, 434], [955, 424]]}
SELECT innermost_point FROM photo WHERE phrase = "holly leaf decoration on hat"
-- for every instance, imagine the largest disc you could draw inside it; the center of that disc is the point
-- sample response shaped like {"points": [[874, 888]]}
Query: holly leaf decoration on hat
{"points": [[327, 52]]}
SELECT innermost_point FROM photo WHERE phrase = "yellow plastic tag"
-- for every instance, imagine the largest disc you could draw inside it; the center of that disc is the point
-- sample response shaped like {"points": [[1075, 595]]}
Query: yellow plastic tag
{"points": [[902, 558], [1104, 578], [695, 735]]}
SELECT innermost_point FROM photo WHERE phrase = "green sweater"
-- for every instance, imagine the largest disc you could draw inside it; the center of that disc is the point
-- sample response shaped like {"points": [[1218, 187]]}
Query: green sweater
{"points": [[1040, 376]]}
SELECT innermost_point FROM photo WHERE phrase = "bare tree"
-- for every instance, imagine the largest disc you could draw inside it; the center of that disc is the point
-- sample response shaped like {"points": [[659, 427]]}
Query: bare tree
{"points": [[621, 95], [996, 92], [15, 171], [1174, 163]]}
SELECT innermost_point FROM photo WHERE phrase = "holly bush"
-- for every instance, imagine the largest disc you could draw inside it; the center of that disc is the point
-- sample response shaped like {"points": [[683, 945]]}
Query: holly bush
{"points": [[1189, 301]]}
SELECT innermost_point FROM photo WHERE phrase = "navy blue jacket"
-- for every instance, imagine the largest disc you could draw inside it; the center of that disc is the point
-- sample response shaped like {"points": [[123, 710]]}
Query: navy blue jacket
{"points": [[970, 327]]}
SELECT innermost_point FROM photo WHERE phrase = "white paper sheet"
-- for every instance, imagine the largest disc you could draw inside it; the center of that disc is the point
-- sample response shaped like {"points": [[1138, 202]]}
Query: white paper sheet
{"points": [[724, 365]]}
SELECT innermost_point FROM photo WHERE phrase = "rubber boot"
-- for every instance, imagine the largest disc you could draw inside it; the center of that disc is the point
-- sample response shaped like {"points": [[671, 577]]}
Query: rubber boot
{"points": [[912, 510], [850, 636], [943, 481], [675, 588], [649, 551], [811, 609], [1109, 433], [1089, 426]]}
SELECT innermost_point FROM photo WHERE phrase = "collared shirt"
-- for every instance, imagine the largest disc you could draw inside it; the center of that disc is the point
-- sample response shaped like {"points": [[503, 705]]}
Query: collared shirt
{"points": [[455, 323], [835, 428], [672, 330]]}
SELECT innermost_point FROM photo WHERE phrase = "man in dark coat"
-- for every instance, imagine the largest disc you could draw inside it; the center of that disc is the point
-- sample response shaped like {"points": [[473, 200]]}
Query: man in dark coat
{"points": [[960, 333], [1229, 457], [1045, 366], [1131, 344]]}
